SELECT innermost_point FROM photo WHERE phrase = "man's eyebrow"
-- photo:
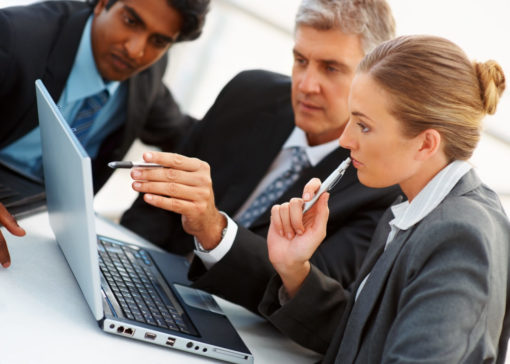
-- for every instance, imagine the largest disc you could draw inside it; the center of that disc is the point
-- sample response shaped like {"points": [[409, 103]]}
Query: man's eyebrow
{"points": [[338, 64], [135, 15]]}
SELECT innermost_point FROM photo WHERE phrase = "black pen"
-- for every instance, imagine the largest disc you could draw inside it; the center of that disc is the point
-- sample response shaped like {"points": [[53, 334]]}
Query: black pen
{"points": [[129, 164]]}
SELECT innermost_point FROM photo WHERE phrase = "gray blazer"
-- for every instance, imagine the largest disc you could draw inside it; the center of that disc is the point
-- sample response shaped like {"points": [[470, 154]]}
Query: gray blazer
{"points": [[437, 294]]}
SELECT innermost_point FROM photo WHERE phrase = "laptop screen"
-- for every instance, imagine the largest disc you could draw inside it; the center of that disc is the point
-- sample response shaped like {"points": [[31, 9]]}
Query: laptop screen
{"points": [[69, 194]]}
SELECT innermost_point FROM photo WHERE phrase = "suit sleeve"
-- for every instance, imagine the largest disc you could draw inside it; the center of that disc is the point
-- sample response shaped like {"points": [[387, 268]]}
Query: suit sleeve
{"points": [[312, 316]]}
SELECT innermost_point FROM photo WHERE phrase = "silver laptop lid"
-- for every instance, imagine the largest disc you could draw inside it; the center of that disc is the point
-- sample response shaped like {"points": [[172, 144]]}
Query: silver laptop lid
{"points": [[69, 195]]}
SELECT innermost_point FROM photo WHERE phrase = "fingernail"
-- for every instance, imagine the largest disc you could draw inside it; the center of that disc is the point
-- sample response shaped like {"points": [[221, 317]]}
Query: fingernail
{"points": [[148, 156], [300, 232], [306, 196], [137, 185], [6, 265], [289, 236], [136, 173], [281, 233], [148, 197]]}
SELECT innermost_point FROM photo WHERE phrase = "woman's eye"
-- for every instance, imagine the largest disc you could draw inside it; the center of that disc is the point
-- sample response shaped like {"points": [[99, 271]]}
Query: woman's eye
{"points": [[363, 127]]}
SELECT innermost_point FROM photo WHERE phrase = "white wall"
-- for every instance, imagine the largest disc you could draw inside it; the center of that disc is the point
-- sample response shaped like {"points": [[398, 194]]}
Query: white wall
{"points": [[243, 34]]}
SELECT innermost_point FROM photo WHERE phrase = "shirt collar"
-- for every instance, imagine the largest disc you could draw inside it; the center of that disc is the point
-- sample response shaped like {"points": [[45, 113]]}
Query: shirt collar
{"points": [[408, 214], [314, 153], [84, 79]]}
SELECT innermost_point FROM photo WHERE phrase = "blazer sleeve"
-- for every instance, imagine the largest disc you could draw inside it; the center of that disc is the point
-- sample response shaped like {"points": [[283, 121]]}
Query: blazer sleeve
{"points": [[312, 316]]}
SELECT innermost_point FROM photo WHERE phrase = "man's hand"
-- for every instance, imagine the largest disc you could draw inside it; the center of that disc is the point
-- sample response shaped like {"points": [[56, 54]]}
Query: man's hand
{"points": [[10, 223], [293, 237], [184, 187]]}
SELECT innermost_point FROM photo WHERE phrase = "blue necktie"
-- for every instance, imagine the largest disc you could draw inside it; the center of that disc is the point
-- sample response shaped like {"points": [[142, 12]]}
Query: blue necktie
{"points": [[276, 188], [87, 114]]}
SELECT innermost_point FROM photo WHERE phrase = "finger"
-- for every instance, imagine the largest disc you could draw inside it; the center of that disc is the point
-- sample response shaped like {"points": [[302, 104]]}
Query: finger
{"points": [[311, 188], [10, 223], [173, 160], [178, 206], [288, 230], [170, 189], [163, 175], [296, 215], [276, 220], [5, 258]]}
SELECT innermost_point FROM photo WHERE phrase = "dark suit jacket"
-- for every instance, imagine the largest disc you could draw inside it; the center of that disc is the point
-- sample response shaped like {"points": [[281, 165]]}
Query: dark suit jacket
{"points": [[437, 294], [40, 41], [240, 137]]}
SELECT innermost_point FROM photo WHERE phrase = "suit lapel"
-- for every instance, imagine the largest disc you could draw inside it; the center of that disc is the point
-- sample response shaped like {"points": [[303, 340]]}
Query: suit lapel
{"points": [[257, 150], [367, 300], [61, 59]]}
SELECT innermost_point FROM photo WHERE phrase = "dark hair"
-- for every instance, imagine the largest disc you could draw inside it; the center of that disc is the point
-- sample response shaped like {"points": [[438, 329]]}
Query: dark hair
{"points": [[193, 14]]}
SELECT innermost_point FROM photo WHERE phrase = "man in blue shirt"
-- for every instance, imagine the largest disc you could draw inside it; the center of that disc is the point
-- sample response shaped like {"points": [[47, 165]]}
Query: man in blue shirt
{"points": [[114, 47]]}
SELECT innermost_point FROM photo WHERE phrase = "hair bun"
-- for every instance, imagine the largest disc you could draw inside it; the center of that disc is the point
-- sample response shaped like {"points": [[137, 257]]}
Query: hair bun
{"points": [[492, 84]]}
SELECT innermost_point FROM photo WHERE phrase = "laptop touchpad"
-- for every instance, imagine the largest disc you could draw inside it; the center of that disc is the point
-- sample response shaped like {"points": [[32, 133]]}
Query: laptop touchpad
{"points": [[198, 299]]}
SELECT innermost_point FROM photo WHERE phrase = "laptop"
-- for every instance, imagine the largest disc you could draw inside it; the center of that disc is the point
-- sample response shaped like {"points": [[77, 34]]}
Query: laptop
{"points": [[133, 292]]}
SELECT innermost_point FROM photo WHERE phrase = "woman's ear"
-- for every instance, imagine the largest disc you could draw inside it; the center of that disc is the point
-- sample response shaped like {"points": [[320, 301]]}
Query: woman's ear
{"points": [[430, 144]]}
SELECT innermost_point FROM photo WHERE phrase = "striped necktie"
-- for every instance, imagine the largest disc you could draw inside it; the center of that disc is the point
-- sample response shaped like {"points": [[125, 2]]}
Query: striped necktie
{"points": [[87, 114], [276, 188]]}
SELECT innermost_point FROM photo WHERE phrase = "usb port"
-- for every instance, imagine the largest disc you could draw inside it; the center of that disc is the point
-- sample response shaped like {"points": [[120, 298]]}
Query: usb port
{"points": [[150, 336], [170, 341]]}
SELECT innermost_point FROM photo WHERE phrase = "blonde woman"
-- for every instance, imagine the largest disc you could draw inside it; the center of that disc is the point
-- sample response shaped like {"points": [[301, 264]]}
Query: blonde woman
{"points": [[433, 288]]}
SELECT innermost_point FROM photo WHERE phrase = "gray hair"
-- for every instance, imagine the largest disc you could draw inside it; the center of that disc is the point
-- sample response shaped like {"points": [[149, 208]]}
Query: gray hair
{"points": [[371, 19]]}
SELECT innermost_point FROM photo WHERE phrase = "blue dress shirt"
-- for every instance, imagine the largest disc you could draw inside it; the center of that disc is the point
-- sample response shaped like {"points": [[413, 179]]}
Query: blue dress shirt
{"points": [[24, 155]]}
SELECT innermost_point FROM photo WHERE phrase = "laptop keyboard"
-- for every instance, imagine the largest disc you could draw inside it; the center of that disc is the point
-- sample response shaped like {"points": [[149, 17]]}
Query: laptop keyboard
{"points": [[129, 273]]}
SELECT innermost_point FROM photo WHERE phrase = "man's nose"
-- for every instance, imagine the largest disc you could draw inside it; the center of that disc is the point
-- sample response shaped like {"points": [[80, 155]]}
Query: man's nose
{"points": [[135, 46], [309, 81]]}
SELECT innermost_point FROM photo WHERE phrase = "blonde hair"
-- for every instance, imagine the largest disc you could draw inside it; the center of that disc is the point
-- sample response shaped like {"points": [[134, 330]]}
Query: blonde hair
{"points": [[372, 20], [435, 86]]}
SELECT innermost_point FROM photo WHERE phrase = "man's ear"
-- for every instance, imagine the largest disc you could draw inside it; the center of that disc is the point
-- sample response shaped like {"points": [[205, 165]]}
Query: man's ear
{"points": [[100, 6], [430, 144]]}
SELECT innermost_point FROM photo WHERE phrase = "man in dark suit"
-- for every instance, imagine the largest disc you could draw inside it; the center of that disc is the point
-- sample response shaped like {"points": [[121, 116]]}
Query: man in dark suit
{"points": [[247, 138], [81, 50]]}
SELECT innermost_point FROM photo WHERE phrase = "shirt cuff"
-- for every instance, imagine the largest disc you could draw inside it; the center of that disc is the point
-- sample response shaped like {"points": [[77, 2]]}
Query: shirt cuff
{"points": [[213, 256]]}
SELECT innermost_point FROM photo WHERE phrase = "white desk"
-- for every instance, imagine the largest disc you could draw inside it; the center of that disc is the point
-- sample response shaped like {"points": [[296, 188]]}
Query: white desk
{"points": [[45, 319]]}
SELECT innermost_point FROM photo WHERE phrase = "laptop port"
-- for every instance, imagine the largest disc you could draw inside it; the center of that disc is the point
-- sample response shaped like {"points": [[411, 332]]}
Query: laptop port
{"points": [[150, 336], [125, 331], [170, 341]]}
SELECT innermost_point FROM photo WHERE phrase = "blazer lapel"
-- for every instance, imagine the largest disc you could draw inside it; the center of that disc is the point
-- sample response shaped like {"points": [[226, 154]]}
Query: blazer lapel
{"points": [[376, 249], [368, 298], [265, 137], [61, 59]]}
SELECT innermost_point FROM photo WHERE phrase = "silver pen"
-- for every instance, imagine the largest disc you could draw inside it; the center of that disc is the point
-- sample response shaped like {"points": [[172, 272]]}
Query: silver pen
{"points": [[328, 183], [129, 164]]}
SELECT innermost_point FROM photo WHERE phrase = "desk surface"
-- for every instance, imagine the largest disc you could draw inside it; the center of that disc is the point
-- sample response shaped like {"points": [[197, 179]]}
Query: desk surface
{"points": [[45, 319]]}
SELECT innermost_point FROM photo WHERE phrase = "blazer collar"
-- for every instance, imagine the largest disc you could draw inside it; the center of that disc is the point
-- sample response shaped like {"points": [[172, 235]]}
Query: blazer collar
{"points": [[61, 59]]}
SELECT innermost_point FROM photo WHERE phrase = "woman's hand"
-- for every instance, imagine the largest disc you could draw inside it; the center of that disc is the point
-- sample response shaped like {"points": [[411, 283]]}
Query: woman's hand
{"points": [[293, 237]]}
